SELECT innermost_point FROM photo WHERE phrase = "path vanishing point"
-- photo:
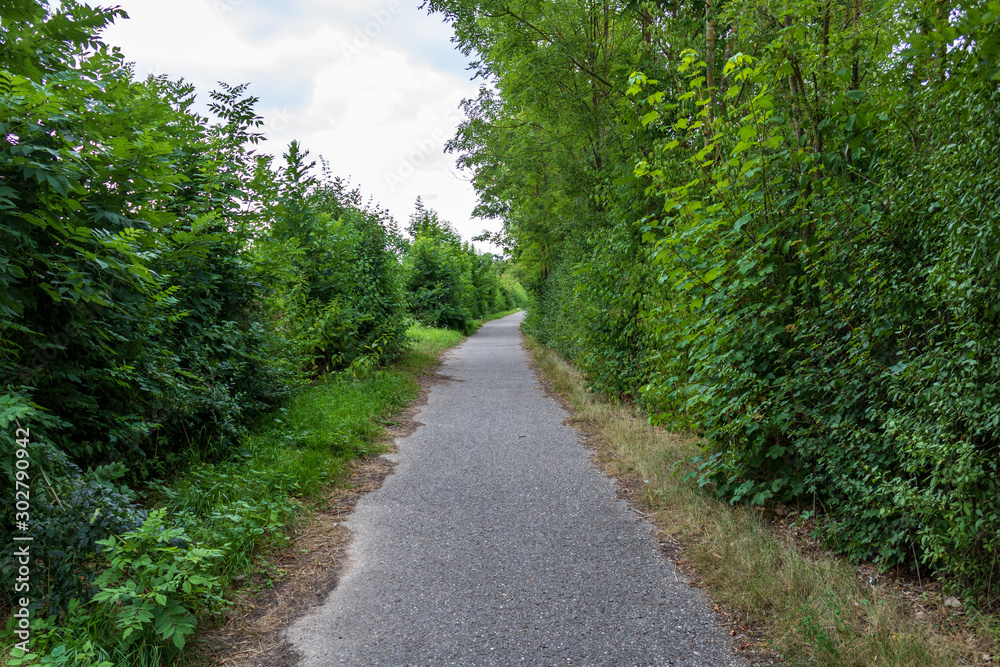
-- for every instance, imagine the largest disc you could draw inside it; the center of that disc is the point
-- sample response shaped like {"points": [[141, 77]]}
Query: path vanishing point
{"points": [[497, 541]]}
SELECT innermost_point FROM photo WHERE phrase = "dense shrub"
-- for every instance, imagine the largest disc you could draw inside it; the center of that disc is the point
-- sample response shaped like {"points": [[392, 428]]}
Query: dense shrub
{"points": [[336, 281], [597, 321], [438, 279], [841, 343], [155, 581], [70, 511], [127, 300]]}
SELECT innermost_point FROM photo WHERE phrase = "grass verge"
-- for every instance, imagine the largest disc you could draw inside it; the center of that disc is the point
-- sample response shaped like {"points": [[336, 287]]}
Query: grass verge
{"points": [[809, 604], [214, 527]]}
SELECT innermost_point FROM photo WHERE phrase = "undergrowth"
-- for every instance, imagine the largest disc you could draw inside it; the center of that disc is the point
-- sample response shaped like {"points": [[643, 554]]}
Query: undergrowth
{"points": [[811, 607]]}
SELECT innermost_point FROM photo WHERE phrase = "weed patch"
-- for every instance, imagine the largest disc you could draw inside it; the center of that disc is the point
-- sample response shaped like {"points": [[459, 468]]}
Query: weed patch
{"points": [[812, 607]]}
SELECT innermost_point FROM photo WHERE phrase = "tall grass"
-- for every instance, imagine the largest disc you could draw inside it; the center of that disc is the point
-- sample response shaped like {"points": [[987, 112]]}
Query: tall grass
{"points": [[812, 608]]}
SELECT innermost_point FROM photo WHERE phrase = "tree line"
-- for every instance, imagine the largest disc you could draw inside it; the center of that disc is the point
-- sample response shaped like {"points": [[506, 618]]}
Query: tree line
{"points": [[775, 223], [164, 284]]}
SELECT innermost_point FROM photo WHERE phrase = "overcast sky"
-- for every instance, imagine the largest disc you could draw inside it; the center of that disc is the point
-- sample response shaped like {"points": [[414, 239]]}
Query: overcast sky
{"points": [[371, 85]]}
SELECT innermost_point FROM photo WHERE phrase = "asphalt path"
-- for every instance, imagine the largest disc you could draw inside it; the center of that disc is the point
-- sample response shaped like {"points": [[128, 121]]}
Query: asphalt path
{"points": [[497, 541]]}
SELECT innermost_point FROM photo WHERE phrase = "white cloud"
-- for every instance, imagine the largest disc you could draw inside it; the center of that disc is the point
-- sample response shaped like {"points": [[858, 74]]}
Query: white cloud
{"points": [[370, 85]]}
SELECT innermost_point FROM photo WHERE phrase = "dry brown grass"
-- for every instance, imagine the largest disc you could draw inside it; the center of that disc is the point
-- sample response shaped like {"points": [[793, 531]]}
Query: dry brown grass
{"points": [[812, 607]]}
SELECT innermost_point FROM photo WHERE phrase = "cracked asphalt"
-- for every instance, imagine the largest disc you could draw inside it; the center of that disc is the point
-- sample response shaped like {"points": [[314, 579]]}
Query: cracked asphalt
{"points": [[496, 541]]}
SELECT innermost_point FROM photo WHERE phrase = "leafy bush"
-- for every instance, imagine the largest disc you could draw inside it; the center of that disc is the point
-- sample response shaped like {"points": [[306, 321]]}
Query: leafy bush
{"points": [[155, 581], [438, 279], [840, 340], [334, 278], [126, 304], [68, 644]]}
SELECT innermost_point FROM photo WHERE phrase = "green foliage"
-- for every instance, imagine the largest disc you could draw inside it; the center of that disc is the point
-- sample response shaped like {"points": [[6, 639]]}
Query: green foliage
{"points": [[52, 643], [211, 504], [162, 288], [448, 283], [126, 301], [438, 279], [831, 288], [71, 511], [155, 580], [333, 275], [589, 306]]}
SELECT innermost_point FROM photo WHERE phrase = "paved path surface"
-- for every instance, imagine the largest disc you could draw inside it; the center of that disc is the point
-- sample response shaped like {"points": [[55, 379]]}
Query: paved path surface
{"points": [[497, 542]]}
